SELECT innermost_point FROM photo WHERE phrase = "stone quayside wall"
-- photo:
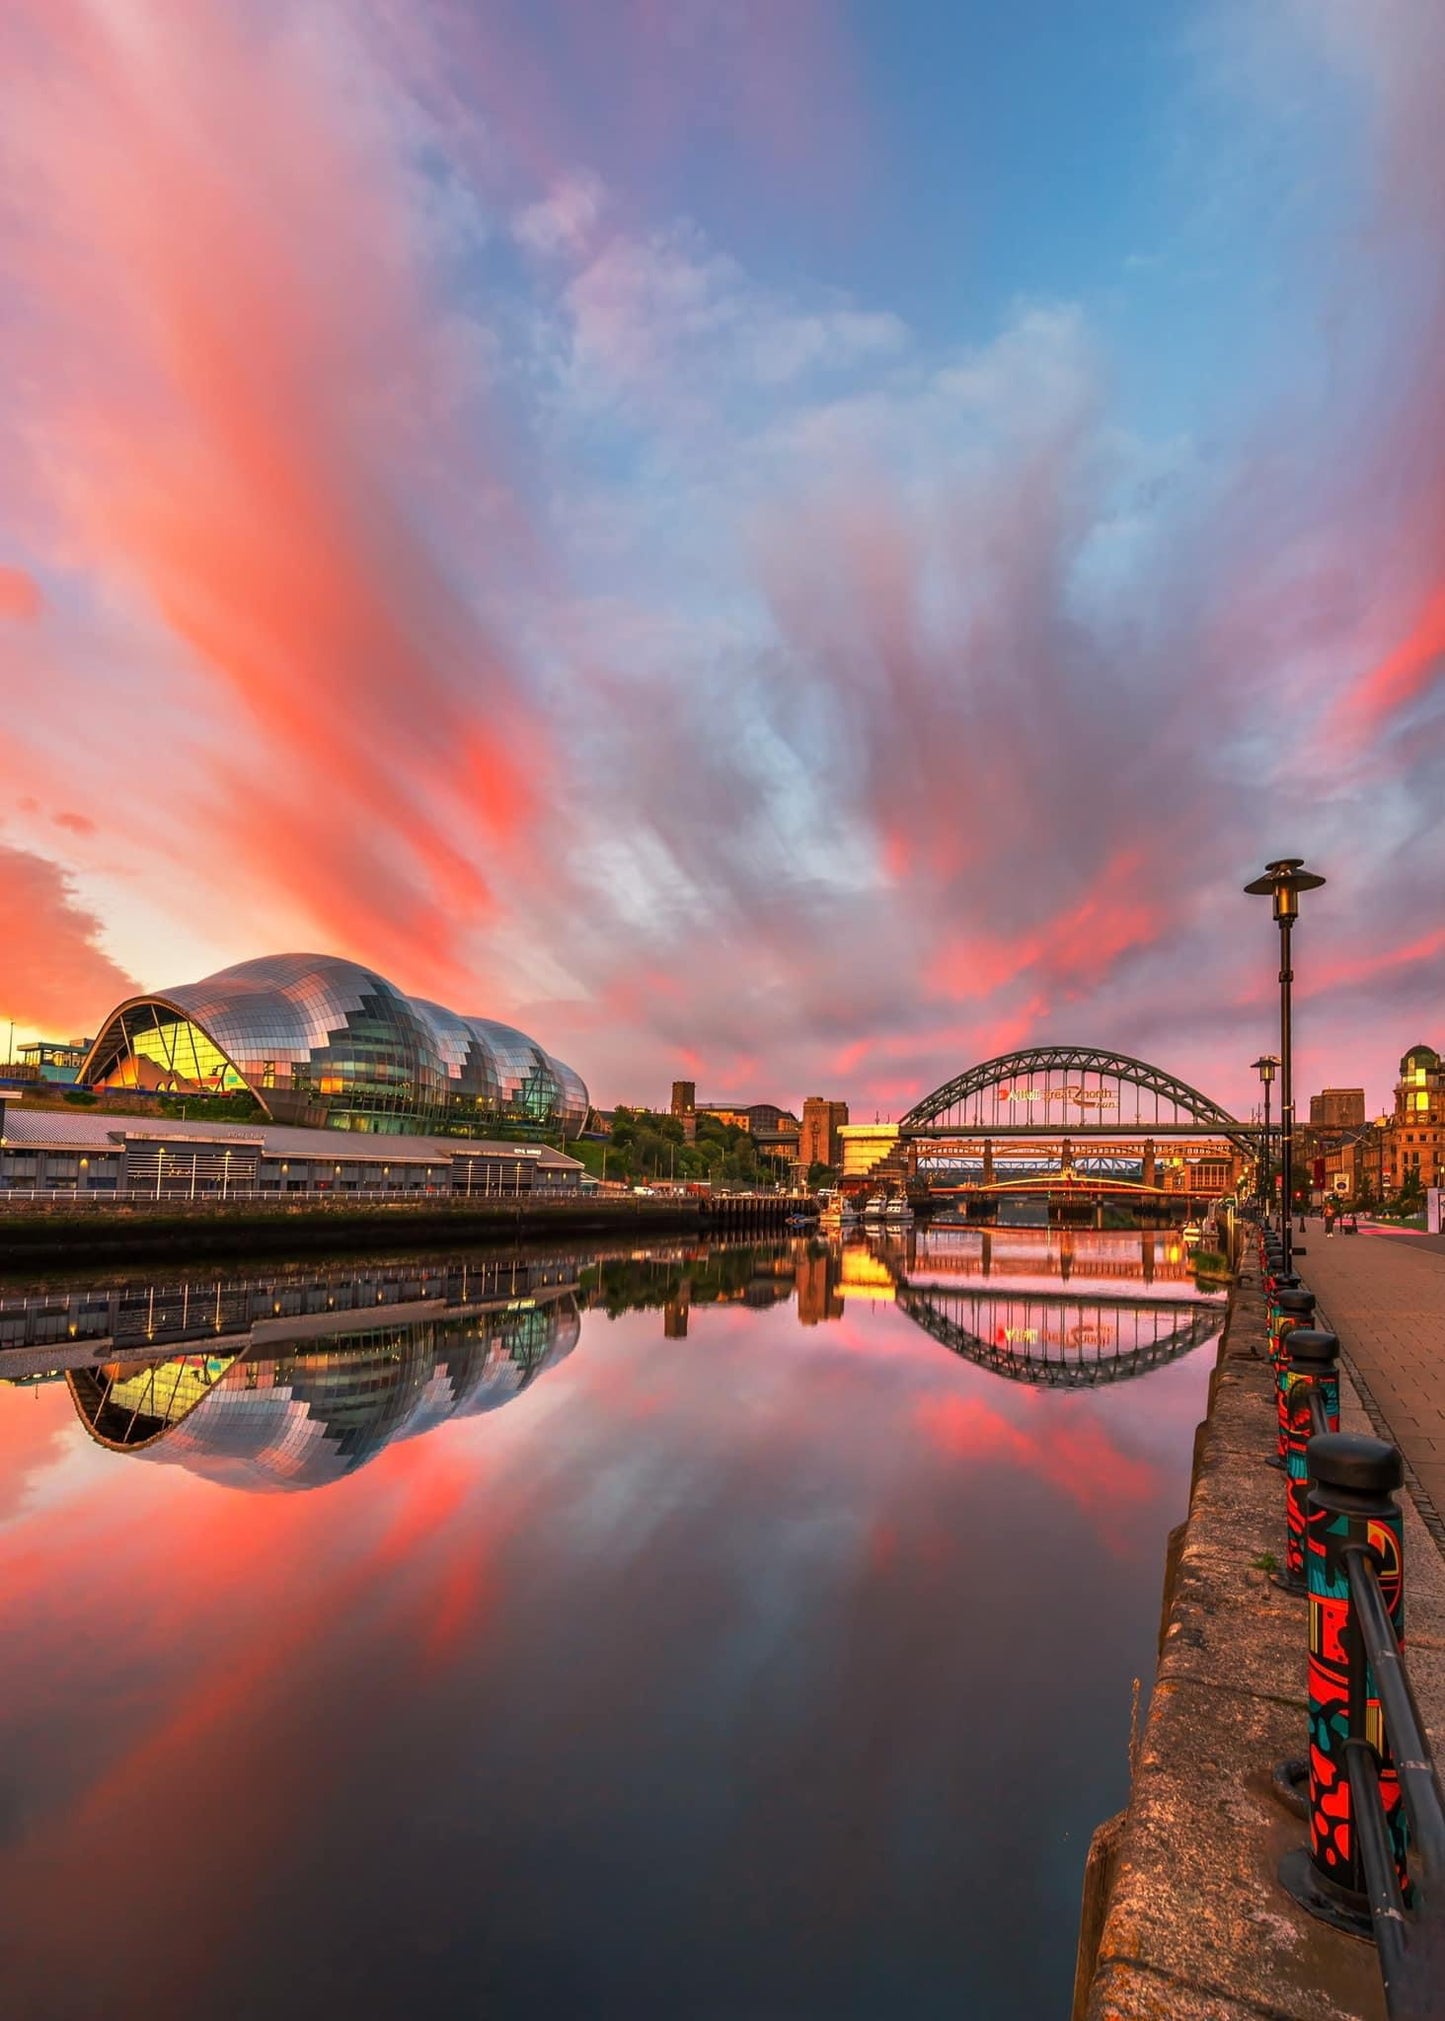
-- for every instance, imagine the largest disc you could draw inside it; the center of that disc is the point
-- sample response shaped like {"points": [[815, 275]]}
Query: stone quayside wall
{"points": [[251, 1228], [1182, 1916]]}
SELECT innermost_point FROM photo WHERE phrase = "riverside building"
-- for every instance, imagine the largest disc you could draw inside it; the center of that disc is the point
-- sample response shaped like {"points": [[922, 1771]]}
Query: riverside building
{"points": [[1413, 1139], [326, 1043], [86, 1153], [819, 1142]]}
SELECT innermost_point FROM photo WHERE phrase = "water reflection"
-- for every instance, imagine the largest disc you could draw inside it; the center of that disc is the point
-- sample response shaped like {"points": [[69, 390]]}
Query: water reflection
{"points": [[658, 1691], [1131, 1302], [303, 1420], [292, 1391]]}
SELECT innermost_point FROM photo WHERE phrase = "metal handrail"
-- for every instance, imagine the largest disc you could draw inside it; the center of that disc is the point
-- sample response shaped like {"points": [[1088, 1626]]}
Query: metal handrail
{"points": [[1387, 1907], [1419, 1785], [102, 1197], [1410, 1938]]}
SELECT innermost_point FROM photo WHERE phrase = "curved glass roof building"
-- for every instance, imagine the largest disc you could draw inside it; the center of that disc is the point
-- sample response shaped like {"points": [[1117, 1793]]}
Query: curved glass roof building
{"points": [[319, 1040]]}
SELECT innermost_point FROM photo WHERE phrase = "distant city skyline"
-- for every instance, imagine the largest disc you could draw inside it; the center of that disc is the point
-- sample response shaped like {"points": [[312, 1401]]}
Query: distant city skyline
{"points": [[794, 547]]}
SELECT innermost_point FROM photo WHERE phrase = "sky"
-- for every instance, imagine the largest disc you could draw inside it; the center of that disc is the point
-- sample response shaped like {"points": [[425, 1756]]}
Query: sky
{"points": [[796, 544]]}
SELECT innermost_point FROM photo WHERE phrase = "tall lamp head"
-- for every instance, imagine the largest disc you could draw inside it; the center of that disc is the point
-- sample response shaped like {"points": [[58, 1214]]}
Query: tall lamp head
{"points": [[1265, 1065], [1283, 882]]}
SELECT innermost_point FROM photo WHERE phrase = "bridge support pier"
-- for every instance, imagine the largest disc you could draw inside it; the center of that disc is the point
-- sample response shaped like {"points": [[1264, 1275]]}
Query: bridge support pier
{"points": [[1148, 1174]]}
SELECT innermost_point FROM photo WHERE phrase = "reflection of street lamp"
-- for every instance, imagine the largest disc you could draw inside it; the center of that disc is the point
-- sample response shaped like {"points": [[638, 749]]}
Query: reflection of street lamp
{"points": [[1283, 881], [1264, 1066]]}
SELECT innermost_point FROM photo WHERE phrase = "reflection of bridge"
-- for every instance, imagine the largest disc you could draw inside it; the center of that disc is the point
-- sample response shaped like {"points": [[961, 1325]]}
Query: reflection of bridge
{"points": [[1058, 1342], [1069, 1121], [1066, 1309], [1143, 1258]]}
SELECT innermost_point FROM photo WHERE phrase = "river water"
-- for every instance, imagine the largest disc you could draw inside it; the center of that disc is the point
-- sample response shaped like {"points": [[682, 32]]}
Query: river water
{"points": [[728, 1632]]}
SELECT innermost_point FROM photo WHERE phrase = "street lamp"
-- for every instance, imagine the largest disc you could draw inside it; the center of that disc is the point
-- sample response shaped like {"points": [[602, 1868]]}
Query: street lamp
{"points": [[1264, 1066], [1283, 881]]}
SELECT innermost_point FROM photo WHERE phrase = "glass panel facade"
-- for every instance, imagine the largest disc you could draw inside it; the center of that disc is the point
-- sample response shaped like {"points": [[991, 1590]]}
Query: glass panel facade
{"points": [[319, 1040], [153, 1046]]}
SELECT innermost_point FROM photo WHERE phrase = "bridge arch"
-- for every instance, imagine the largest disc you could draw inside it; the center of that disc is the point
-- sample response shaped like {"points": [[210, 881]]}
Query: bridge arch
{"points": [[952, 1319], [1068, 1085]]}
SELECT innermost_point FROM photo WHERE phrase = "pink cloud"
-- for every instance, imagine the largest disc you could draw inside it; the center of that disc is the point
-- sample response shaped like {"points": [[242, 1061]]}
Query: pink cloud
{"points": [[628, 87], [56, 976], [1386, 689], [20, 596], [246, 454]]}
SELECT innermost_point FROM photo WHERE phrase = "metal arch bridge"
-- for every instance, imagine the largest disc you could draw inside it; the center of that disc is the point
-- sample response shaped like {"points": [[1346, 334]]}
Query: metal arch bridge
{"points": [[1193, 1324], [1032, 1077]]}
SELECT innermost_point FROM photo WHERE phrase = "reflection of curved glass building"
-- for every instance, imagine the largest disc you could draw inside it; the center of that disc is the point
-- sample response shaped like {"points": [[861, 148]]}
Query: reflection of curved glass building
{"points": [[301, 1420], [320, 1040]]}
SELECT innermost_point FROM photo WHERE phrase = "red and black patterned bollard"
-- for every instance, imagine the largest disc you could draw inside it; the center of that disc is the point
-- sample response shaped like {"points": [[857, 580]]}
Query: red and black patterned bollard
{"points": [[1351, 1509], [1290, 1308], [1311, 1388]]}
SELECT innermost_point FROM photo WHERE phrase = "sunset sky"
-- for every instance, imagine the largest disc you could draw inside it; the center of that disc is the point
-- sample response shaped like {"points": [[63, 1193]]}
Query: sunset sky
{"points": [[793, 543]]}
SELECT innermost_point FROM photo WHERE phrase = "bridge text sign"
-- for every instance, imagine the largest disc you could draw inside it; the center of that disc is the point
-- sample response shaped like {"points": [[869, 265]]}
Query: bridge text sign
{"points": [[1084, 1098]]}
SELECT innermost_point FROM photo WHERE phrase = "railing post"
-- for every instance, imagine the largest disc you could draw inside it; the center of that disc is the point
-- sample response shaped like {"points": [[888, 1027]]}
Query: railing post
{"points": [[1289, 1308], [1351, 1508], [1311, 1392]]}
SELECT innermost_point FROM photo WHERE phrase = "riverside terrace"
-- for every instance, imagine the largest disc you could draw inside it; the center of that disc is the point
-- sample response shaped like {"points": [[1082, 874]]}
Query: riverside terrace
{"points": [[88, 1155]]}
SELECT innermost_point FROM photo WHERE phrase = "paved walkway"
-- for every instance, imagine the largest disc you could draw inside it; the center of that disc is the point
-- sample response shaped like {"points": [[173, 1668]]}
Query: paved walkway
{"points": [[1383, 1292]]}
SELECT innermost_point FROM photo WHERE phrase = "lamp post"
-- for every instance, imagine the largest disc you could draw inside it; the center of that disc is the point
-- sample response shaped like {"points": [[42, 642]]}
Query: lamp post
{"points": [[1264, 1066], [1283, 881]]}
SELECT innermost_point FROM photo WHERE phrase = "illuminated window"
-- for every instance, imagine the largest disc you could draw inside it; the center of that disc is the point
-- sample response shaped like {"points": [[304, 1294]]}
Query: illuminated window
{"points": [[149, 1046]]}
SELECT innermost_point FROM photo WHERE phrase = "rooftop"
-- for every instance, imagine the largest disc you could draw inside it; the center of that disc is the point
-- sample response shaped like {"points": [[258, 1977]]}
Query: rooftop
{"points": [[95, 1130]]}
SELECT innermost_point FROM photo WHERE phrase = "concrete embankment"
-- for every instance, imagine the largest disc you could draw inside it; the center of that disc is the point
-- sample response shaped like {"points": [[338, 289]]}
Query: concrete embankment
{"points": [[251, 1228], [1183, 1916]]}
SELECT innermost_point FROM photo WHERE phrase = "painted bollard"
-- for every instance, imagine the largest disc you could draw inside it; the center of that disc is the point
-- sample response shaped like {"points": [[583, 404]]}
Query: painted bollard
{"points": [[1352, 1508], [1276, 1281], [1279, 1280], [1292, 1308], [1313, 1371]]}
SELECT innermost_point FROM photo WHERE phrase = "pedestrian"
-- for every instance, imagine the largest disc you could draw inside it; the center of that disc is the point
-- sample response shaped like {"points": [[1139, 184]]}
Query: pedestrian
{"points": [[1329, 1220]]}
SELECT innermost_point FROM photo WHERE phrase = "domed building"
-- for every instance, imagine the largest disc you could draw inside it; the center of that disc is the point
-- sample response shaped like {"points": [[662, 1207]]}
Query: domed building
{"points": [[321, 1041]]}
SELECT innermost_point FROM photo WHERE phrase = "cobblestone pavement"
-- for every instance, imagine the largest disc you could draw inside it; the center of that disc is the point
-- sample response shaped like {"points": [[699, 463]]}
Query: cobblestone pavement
{"points": [[1383, 1292]]}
